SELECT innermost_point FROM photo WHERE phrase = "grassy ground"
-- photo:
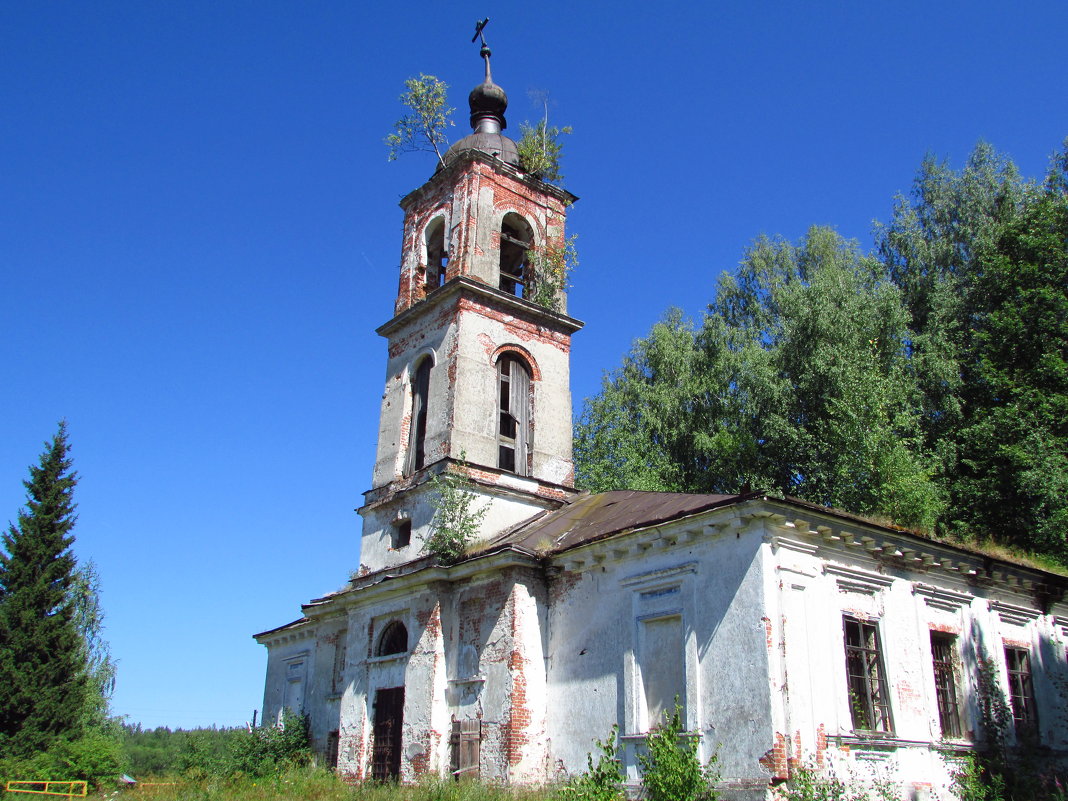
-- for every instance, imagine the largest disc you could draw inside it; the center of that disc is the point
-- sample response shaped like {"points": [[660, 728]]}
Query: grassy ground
{"points": [[311, 784]]}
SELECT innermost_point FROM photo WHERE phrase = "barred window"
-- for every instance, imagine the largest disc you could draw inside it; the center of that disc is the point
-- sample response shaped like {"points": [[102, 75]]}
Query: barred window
{"points": [[869, 699], [943, 653], [1021, 690]]}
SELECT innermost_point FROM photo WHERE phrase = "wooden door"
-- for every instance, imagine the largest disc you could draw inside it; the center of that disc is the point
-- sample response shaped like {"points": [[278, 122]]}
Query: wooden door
{"points": [[389, 719]]}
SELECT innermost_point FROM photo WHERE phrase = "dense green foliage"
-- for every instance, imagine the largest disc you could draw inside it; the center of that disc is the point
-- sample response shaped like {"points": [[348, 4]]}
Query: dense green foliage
{"points": [[668, 760], [927, 383], [266, 750], [457, 517], [43, 663], [670, 767], [603, 780], [552, 266], [55, 666], [540, 149]]}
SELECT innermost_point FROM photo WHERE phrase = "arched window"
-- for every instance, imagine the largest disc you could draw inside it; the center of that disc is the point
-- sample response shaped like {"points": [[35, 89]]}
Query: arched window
{"points": [[420, 398], [516, 241], [394, 640], [437, 258], [513, 428]]}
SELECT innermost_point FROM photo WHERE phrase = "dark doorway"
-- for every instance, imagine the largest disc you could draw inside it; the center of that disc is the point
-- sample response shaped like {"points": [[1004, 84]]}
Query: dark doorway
{"points": [[389, 717]]}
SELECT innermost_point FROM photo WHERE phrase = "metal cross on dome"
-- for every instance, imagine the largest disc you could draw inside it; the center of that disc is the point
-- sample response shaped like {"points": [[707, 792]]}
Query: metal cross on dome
{"points": [[478, 32]]}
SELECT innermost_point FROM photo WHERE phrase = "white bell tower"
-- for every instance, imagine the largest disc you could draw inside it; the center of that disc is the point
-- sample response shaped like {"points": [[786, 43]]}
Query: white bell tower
{"points": [[477, 371]]}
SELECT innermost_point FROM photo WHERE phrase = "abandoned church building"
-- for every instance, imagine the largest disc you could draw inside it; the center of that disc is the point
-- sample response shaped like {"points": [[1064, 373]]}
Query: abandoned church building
{"points": [[789, 632]]}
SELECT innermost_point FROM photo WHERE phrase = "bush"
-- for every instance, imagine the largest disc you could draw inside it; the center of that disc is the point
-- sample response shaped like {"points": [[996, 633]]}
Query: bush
{"points": [[671, 770], [600, 782], [95, 757], [271, 749]]}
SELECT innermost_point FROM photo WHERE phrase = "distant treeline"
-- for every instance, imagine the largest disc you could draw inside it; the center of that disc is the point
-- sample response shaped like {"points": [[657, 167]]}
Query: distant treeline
{"points": [[213, 751]]}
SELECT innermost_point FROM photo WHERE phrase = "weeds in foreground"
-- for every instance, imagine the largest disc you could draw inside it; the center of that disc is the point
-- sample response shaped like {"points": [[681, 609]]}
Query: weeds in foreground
{"points": [[319, 784]]}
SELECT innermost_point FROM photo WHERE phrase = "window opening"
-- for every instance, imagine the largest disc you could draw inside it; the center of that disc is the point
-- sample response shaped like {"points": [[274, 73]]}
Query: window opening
{"points": [[388, 726], [402, 534], [394, 640], [866, 677], [1021, 690], [337, 680], [437, 259], [516, 239], [420, 400], [943, 653], [513, 428]]}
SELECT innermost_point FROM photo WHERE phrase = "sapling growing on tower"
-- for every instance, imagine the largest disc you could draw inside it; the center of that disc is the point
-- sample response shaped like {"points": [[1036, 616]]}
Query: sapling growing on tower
{"points": [[423, 128]]}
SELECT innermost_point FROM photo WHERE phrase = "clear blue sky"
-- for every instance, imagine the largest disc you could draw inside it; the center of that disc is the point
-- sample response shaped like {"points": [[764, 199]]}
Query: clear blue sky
{"points": [[199, 233]]}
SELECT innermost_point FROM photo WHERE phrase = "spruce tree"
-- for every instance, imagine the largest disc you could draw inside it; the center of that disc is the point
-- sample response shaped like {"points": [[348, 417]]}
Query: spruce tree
{"points": [[43, 669]]}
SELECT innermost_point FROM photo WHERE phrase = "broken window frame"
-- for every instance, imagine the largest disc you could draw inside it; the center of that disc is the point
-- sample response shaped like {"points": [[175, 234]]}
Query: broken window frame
{"points": [[393, 640], [517, 240], [947, 697], [866, 684], [514, 418], [1021, 690]]}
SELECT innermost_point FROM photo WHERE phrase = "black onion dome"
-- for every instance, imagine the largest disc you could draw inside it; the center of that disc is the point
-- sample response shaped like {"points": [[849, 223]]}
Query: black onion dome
{"points": [[495, 144], [488, 103]]}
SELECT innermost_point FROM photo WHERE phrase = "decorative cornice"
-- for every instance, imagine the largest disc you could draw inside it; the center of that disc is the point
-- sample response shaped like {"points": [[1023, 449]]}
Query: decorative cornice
{"points": [[656, 576], [786, 543], [852, 580], [941, 598], [1014, 614], [472, 287], [459, 162]]}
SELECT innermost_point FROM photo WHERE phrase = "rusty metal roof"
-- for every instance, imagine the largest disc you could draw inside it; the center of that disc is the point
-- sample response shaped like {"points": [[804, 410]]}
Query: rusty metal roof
{"points": [[594, 517]]}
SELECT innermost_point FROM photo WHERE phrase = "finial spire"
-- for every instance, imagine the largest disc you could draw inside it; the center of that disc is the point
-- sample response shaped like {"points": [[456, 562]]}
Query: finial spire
{"points": [[488, 101], [484, 51]]}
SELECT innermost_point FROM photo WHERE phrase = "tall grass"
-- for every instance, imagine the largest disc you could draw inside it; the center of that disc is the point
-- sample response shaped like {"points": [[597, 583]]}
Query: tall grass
{"points": [[318, 784]]}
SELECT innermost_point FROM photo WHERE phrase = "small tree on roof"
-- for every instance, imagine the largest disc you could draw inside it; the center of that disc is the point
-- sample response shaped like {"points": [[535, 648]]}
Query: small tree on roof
{"points": [[423, 128]]}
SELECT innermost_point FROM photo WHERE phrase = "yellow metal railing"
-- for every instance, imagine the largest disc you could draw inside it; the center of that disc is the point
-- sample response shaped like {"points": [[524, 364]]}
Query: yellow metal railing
{"points": [[66, 789]]}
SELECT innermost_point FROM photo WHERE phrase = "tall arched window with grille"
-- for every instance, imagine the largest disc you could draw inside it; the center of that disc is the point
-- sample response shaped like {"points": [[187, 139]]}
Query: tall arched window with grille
{"points": [[416, 457], [514, 425]]}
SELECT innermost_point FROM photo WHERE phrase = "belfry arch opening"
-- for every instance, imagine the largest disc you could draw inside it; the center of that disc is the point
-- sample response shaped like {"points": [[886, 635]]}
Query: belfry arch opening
{"points": [[437, 257], [517, 239], [515, 421]]}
